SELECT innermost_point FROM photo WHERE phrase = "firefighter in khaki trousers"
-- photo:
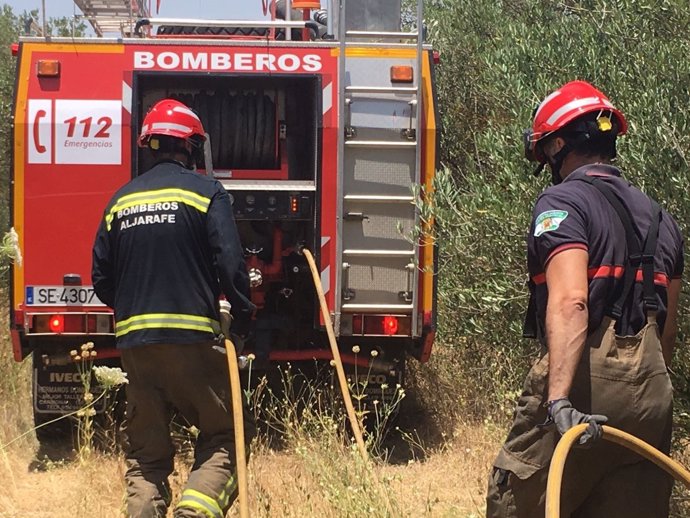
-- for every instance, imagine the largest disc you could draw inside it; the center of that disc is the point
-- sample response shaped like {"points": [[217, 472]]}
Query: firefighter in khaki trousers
{"points": [[605, 264], [166, 248]]}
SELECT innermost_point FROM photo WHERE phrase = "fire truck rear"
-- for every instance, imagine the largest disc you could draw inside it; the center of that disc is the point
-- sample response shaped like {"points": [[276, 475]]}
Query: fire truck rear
{"points": [[322, 127]]}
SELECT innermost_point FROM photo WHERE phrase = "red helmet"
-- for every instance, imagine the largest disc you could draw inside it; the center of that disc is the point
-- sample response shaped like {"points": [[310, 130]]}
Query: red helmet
{"points": [[570, 101], [174, 119]]}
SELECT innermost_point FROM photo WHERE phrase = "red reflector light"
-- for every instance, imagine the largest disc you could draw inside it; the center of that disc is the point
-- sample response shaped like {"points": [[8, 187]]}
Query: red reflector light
{"points": [[15, 48], [357, 324], [390, 325], [74, 324], [57, 324]]}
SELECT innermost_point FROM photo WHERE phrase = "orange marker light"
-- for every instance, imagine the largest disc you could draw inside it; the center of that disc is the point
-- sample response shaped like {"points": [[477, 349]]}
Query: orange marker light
{"points": [[306, 4], [48, 68], [402, 74], [294, 204]]}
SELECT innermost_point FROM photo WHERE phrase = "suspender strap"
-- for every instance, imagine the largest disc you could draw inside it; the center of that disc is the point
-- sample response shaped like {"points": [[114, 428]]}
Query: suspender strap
{"points": [[648, 289], [639, 256]]}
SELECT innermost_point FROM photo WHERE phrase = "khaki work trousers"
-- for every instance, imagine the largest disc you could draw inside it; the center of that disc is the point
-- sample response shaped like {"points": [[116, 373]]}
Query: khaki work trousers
{"points": [[624, 378], [192, 378]]}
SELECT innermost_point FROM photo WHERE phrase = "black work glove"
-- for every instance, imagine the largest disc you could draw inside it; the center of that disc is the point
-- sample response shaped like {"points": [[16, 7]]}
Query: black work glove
{"points": [[562, 413], [237, 340]]}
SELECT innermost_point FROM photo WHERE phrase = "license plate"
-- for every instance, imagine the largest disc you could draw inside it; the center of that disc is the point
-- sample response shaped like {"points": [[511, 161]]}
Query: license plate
{"points": [[61, 296]]}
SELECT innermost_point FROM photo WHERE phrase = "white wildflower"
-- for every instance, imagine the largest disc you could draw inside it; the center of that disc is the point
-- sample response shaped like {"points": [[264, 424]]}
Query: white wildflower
{"points": [[110, 377], [355, 349], [10, 247]]}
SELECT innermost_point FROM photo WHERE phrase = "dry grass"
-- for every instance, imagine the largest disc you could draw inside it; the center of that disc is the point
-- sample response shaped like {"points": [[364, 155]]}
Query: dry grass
{"points": [[450, 483], [433, 468]]}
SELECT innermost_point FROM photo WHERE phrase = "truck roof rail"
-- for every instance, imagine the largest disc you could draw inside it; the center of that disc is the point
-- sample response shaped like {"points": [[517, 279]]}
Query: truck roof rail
{"points": [[113, 15], [236, 24]]}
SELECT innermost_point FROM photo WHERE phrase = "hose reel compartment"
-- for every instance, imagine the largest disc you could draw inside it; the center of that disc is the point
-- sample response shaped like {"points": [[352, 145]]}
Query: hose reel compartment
{"points": [[261, 127]]}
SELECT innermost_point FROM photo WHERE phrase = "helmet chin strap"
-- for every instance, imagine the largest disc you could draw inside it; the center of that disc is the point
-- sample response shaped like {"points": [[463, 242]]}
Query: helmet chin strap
{"points": [[556, 162]]}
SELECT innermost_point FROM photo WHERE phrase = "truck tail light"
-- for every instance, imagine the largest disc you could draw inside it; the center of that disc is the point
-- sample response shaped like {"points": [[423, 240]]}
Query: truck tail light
{"points": [[386, 325], [93, 323], [390, 325], [57, 324]]}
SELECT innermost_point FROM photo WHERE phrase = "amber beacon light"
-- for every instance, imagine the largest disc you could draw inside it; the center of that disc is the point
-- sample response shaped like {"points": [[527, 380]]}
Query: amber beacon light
{"points": [[48, 68], [306, 4]]}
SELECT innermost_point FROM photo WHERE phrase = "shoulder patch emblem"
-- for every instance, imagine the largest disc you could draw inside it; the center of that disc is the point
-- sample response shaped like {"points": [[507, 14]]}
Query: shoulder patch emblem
{"points": [[549, 221]]}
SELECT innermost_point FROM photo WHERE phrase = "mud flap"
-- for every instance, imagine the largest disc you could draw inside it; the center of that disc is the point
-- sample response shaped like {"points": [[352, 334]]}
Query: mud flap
{"points": [[58, 390]]}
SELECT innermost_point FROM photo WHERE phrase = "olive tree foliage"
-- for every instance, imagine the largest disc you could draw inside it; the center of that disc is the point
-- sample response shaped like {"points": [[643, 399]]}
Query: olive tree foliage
{"points": [[62, 26], [9, 31], [499, 58]]}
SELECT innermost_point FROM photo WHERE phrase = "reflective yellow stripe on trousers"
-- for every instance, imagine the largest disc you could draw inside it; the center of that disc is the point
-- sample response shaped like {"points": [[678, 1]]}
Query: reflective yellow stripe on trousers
{"points": [[166, 321], [224, 497], [198, 501]]}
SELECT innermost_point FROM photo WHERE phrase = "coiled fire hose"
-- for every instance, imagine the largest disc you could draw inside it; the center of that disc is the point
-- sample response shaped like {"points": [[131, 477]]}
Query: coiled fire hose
{"points": [[344, 388], [553, 484]]}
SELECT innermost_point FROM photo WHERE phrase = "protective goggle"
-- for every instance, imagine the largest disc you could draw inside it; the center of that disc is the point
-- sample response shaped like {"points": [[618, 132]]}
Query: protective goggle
{"points": [[532, 150]]}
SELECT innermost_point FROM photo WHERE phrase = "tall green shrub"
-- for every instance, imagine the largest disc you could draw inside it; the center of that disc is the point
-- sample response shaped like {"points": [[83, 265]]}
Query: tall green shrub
{"points": [[498, 60]]}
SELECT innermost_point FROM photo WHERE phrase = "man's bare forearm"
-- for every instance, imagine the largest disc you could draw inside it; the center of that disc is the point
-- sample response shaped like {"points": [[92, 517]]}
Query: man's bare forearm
{"points": [[566, 333]]}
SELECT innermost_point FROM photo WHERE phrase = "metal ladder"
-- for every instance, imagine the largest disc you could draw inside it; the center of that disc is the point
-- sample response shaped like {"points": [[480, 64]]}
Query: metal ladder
{"points": [[387, 265], [113, 16]]}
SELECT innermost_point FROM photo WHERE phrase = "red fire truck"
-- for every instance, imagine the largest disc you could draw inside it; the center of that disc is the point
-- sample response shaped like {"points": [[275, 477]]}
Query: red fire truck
{"points": [[321, 125]]}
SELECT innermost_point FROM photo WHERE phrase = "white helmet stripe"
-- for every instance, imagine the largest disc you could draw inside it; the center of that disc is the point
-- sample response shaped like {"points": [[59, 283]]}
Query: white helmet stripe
{"points": [[186, 111], [170, 126], [546, 101], [573, 105]]}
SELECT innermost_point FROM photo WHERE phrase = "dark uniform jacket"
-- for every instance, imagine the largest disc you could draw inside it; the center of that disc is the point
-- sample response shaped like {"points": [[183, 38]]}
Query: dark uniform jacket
{"points": [[165, 250], [574, 214]]}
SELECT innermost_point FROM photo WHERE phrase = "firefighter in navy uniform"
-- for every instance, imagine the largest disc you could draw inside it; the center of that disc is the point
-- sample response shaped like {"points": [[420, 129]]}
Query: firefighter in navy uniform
{"points": [[166, 249], [605, 264]]}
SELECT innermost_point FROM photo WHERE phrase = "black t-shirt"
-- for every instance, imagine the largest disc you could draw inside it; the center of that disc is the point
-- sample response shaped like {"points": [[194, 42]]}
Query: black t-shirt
{"points": [[574, 214]]}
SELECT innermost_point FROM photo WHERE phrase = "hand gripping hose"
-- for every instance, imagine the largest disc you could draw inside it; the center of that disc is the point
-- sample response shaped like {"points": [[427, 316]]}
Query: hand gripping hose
{"points": [[344, 388], [553, 485], [238, 421]]}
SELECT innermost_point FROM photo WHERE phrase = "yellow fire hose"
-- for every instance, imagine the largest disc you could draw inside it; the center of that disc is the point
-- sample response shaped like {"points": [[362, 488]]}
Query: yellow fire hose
{"points": [[236, 394], [238, 421], [344, 388], [553, 485]]}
